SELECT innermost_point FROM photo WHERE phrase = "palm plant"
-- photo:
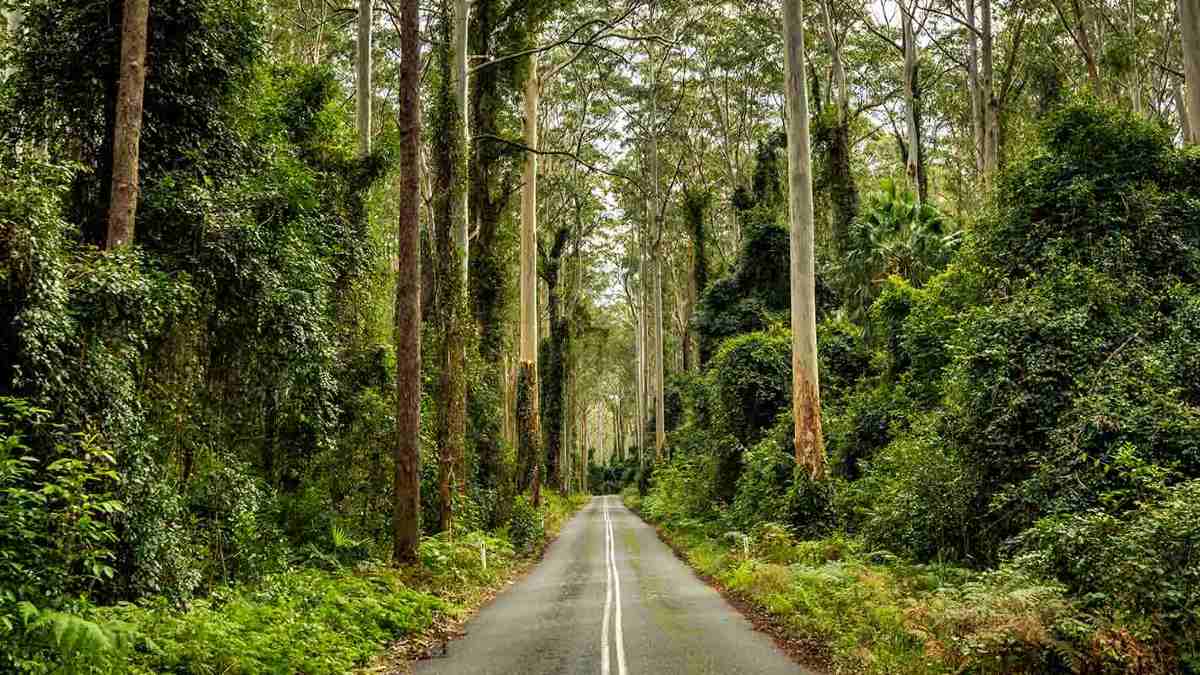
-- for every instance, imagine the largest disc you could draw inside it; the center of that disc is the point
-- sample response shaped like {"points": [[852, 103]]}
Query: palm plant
{"points": [[893, 234]]}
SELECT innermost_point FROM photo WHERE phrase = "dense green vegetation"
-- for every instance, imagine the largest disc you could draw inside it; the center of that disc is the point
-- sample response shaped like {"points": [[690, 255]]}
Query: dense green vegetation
{"points": [[1029, 407], [310, 404]]}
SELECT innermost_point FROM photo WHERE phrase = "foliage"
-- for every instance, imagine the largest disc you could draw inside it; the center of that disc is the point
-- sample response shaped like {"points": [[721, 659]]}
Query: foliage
{"points": [[853, 611], [1142, 562], [255, 630], [894, 234], [526, 527], [756, 293], [751, 383]]}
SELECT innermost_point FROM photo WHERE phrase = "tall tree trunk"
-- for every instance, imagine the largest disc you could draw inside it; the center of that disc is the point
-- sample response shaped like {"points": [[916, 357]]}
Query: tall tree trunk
{"points": [[643, 359], [450, 215], [987, 86], [843, 191], [528, 446], [912, 94], [406, 489], [806, 397], [1189, 21], [973, 84], [127, 135], [363, 75], [1085, 45], [13, 18], [660, 389], [1185, 126], [459, 76]]}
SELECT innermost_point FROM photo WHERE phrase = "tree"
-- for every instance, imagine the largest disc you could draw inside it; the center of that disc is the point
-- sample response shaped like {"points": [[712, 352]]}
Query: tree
{"points": [[806, 397], [406, 490], [912, 93], [127, 133], [363, 75], [450, 219], [528, 431], [1189, 19]]}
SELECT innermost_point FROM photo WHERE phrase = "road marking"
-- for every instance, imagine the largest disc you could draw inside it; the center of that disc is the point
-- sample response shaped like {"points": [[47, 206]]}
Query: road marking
{"points": [[604, 668], [614, 589]]}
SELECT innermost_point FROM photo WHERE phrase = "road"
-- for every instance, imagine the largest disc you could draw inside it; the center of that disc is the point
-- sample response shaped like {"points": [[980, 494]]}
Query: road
{"points": [[611, 598]]}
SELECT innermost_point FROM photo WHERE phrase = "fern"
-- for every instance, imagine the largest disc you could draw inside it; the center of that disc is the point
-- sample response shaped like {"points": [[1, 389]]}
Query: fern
{"points": [[83, 646]]}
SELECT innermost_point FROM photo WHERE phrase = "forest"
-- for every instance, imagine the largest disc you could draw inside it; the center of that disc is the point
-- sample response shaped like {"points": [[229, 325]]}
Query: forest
{"points": [[320, 320]]}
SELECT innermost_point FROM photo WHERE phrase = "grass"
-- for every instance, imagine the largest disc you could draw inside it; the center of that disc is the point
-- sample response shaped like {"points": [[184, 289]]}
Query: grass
{"points": [[849, 610]]}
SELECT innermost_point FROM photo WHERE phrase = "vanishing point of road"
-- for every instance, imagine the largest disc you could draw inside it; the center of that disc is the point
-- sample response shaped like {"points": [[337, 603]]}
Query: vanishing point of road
{"points": [[610, 598]]}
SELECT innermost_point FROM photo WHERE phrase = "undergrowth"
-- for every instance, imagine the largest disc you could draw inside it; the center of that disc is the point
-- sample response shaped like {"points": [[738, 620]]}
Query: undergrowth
{"points": [[860, 611], [301, 620]]}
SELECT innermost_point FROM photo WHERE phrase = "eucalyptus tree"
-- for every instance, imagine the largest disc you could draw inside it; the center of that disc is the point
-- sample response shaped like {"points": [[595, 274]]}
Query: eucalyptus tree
{"points": [[406, 488], [127, 131], [1189, 21], [806, 391], [363, 75], [448, 153]]}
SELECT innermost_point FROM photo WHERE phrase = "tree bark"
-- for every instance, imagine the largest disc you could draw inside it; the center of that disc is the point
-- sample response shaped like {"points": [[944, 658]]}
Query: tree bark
{"points": [[806, 399], [529, 447], [991, 112], [450, 207], [127, 134], [1189, 20], [1185, 126], [915, 166], [459, 77], [363, 76], [976, 91], [406, 480], [660, 434]]}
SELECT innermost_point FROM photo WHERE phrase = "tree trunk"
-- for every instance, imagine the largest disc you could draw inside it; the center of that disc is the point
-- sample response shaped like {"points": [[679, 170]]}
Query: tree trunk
{"points": [[529, 446], [1189, 20], [1185, 126], [973, 83], [127, 134], [450, 222], [806, 399], [459, 77], [643, 386], [915, 165], [660, 434], [363, 78], [407, 472], [1085, 45], [987, 86]]}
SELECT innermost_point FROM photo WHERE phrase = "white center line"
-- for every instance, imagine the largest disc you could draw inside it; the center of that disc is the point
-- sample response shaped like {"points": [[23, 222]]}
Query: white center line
{"points": [[604, 668], [614, 590]]}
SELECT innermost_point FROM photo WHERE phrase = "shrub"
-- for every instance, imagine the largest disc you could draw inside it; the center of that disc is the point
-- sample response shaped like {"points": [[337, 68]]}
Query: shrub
{"points": [[298, 621], [1144, 563], [751, 380], [526, 530], [921, 498], [771, 489]]}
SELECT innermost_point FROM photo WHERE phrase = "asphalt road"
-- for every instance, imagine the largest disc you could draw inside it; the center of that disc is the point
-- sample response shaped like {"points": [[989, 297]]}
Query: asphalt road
{"points": [[610, 598]]}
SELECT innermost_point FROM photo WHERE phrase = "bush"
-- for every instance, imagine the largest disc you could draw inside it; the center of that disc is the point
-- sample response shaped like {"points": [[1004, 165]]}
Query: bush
{"points": [[526, 529], [298, 621], [1144, 563], [751, 383], [919, 497], [771, 489]]}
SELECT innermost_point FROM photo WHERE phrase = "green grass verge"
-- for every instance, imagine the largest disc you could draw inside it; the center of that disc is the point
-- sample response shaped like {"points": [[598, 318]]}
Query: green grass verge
{"points": [[858, 611], [301, 620]]}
